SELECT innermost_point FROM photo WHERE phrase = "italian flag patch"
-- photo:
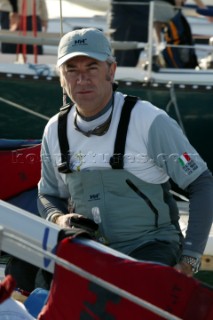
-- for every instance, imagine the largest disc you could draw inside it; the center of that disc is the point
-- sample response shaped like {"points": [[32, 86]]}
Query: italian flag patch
{"points": [[184, 159], [187, 164]]}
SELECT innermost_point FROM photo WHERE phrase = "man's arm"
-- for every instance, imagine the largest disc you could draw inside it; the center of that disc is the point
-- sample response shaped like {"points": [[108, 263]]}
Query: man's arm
{"points": [[53, 195], [50, 206], [200, 220], [44, 15], [14, 15], [200, 4], [201, 204], [171, 150]]}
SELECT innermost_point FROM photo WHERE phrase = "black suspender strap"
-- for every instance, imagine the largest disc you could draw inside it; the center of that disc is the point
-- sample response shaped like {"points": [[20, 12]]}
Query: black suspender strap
{"points": [[117, 161], [62, 137]]}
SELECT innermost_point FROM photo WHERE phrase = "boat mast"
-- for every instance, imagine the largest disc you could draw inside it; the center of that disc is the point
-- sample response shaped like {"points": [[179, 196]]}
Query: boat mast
{"points": [[61, 32]]}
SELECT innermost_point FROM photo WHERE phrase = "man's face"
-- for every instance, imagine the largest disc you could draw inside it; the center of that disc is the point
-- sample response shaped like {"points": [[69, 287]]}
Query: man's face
{"points": [[88, 82]]}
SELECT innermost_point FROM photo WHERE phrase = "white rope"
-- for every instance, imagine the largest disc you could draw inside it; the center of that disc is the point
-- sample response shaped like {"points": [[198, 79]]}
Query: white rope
{"points": [[18, 106], [182, 197], [79, 271]]}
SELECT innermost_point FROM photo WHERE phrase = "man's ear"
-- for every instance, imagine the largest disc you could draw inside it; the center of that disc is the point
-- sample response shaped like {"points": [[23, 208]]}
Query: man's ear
{"points": [[62, 82], [61, 77], [112, 71]]}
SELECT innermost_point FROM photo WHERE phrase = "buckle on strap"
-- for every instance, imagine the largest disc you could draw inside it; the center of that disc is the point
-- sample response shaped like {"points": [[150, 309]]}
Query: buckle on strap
{"points": [[117, 161], [64, 168]]}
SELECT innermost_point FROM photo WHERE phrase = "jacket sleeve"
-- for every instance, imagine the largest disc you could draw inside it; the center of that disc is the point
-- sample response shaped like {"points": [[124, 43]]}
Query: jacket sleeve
{"points": [[49, 205], [53, 196], [201, 214], [171, 151]]}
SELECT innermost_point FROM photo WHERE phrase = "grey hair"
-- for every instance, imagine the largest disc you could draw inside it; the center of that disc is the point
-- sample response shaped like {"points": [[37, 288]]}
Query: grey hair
{"points": [[111, 59]]}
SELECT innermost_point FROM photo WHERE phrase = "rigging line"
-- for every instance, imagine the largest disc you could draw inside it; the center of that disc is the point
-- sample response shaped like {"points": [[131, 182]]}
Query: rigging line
{"points": [[64, 98], [173, 101], [24, 29], [18, 106], [34, 25], [99, 281], [61, 19]]}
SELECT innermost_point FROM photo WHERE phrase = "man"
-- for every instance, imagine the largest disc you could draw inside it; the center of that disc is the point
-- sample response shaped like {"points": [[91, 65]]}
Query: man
{"points": [[127, 197], [166, 10], [9, 20], [33, 17], [23, 15], [129, 22]]}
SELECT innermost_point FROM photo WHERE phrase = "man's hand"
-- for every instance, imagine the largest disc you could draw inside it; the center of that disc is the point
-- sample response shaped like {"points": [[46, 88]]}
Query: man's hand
{"points": [[74, 220], [188, 265], [14, 21], [44, 24], [179, 3], [63, 220], [184, 268]]}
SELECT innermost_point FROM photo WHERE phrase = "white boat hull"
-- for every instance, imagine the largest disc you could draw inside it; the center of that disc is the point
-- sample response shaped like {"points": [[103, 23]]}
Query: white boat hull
{"points": [[34, 239]]}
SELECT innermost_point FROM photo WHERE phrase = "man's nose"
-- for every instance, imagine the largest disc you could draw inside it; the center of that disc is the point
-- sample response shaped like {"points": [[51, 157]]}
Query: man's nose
{"points": [[82, 77]]}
